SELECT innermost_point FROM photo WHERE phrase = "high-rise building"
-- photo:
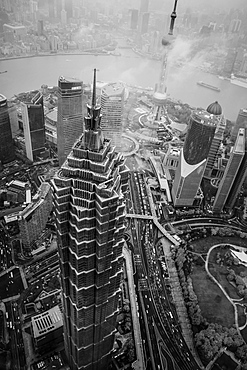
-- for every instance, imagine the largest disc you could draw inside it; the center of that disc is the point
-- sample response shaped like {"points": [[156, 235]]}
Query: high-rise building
{"points": [[63, 16], [144, 23], [70, 115], [51, 8], [7, 153], [40, 27], [144, 6], [89, 208], [193, 158], [33, 218], [240, 123], [230, 173], [69, 8], [33, 125], [241, 176], [133, 19], [112, 102], [213, 154]]}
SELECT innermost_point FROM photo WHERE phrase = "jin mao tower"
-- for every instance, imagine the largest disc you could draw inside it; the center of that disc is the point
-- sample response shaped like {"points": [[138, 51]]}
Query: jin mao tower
{"points": [[89, 208]]}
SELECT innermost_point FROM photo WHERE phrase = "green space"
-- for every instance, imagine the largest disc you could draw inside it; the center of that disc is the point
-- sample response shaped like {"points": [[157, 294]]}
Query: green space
{"points": [[215, 307], [204, 244], [220, 273], [241, 315]]}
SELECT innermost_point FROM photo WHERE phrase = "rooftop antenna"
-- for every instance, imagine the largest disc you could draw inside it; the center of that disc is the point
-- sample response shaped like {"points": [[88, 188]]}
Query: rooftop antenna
{"points": [[173, 17]]}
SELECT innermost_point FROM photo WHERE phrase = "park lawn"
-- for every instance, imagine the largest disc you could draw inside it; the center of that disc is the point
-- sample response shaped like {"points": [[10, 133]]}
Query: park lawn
{"points": [[204, 244], [215, 307], [220, 273]]}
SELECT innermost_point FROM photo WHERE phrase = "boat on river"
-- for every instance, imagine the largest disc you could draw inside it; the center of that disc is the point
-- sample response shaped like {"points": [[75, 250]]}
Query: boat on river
{"points": [[204, 84]]}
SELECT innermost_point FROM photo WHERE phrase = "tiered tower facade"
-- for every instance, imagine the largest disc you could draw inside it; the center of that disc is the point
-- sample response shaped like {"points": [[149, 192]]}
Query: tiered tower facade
{"points": [[90, 211]]}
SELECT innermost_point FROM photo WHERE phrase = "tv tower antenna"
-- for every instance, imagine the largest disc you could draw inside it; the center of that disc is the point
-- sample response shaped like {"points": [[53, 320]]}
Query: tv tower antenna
{"points": [[159, 96]]}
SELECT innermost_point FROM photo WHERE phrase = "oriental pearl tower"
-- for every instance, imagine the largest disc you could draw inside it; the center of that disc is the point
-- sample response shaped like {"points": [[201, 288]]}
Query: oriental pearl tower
{"points": [[159, 96]]}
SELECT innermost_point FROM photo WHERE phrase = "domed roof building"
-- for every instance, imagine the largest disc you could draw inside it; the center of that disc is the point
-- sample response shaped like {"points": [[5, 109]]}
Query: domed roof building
{"points": [[215, 109]]}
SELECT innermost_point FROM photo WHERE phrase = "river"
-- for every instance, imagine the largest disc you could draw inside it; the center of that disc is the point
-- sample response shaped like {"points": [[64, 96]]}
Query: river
{"points": [[30, 73]]}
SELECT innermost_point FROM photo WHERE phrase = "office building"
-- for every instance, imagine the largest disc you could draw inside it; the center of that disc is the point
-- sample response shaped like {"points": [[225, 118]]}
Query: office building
{"points": [[241, 176], [32, 220], [7, 153], [70, 115], [240, 123], [89, 211], [193, 157], [144, 23], [47, 330], [14, 33], [112, 102], [51, 9], [230, 174], [144, 6], [214, 151], [33, 125], [133, 19], [40, 27], [68, 6]]}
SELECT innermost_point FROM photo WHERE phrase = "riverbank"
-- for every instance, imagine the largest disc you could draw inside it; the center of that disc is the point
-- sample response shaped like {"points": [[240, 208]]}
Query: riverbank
{"points": [[54, 54]]}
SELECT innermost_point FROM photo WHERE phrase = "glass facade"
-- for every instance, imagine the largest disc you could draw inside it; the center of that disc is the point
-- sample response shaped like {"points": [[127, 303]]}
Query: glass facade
{"points": [[70, 115], [7, 153]]}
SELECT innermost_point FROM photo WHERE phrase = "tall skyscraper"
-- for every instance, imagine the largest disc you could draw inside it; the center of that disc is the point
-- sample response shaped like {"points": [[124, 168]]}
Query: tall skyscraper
{"points": [[7, 153], [112, 102], [216, 110], [51, 8], [144, 6], [33, 125], [241, 176], [240, 123], [133, 19], [230, 173], [89, 207], [70, 115], [193, 158], [144, 23]]}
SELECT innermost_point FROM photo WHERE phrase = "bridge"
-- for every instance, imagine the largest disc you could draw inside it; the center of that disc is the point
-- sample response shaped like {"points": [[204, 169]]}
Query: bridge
{"points": [[156, 223], [142, 217]]}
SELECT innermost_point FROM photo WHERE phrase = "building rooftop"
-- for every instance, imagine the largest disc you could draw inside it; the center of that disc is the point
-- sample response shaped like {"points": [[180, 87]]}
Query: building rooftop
{"points": [[47, 321], [69, 79], [52, 115], [113, 89], [240, 142], [204, 117], [2, 98]]}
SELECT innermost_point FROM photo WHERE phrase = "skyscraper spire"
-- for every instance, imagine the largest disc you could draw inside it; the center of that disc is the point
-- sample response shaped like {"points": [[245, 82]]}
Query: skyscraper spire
{"points": [[93, 136], [94, 89]]}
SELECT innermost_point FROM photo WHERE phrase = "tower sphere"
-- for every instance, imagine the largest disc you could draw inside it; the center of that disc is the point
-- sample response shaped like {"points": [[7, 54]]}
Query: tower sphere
{"points": [[165, 42]]}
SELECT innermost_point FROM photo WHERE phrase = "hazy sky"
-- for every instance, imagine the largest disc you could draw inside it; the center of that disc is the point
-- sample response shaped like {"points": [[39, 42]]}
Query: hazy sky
{"points": [[207, 4]]}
